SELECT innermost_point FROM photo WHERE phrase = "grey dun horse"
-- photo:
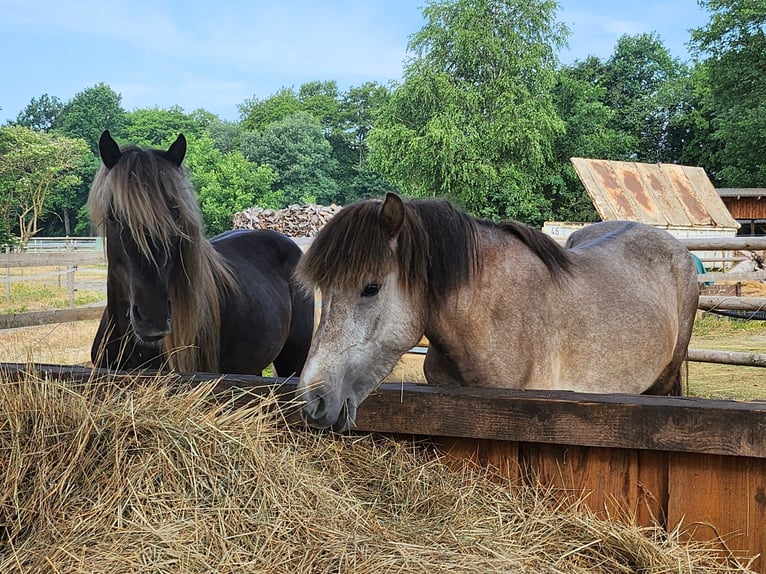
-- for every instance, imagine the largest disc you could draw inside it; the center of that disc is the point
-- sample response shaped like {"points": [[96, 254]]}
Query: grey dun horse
{"points": [[502, 304]]}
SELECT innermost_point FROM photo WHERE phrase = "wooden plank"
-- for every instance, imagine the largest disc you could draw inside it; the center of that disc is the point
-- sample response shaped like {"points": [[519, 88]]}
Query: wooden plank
{"points": [[708, 302], [606, 477], [747, 243], [720, 498], [652, 488], [503, 456], [64, 258], [718, 276], [34, 318], [727, 357]]}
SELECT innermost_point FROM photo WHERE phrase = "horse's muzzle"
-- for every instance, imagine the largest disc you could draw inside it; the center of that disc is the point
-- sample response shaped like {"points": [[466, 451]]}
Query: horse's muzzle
{"points": [[317, 415]]}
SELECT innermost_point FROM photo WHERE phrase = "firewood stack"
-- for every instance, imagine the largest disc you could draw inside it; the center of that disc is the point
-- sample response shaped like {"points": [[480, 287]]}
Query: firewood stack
{"points": [[293, 221]]}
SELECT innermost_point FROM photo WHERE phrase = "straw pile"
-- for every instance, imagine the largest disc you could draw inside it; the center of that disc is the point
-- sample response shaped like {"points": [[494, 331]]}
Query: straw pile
{"points": [[99, 479]]}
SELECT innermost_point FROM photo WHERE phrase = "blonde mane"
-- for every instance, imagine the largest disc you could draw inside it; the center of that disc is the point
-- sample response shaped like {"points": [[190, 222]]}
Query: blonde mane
{"points": [[155, 200]]}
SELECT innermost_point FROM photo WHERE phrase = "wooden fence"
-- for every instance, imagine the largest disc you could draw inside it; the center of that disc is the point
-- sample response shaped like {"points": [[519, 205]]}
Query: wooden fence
{"points": [[66, 263]]}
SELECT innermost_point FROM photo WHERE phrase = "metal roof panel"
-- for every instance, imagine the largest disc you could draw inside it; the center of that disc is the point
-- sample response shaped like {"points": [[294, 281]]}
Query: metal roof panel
{"points": [[658, 194]]}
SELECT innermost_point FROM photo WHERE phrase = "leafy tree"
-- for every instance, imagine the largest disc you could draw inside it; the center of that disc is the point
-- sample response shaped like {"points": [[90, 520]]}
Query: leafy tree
{"points": [[225, 134], [300, 155], [322, 101], [692, 130], [32, 164], [358, 109], [474, 118], [256, 114], [640, 81], [90, 112], [41, 113], [587, 134], [226, 183], [155, 127], [733, 49]]}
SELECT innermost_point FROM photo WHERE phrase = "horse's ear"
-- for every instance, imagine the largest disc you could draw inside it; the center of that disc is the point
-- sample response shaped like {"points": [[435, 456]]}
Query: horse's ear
{"points": [[177, 151], [108, 150], [391, 215]]}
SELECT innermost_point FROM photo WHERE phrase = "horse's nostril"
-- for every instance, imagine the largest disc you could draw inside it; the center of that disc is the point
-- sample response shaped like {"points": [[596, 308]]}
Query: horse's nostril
{"points": [[136, 313]]}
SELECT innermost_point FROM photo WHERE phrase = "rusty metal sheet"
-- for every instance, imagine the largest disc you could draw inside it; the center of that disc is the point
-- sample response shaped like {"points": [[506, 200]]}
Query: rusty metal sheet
{"points": [[659, 194]]}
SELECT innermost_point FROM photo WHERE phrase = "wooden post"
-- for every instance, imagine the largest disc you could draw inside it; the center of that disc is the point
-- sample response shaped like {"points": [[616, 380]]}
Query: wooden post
{"points": [[70, 284], [8, 277]]}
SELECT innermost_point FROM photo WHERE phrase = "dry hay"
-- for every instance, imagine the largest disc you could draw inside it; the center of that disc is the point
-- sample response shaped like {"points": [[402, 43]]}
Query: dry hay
{"points": [[102, 479]]}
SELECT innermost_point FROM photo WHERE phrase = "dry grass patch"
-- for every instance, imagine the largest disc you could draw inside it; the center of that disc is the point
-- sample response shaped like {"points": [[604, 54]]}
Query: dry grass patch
{"points": [[97, 478], [57, 343]]}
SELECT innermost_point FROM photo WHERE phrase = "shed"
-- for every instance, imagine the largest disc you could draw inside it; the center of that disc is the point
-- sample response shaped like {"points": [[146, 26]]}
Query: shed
{"points": [[747, 206], [680, 199]]}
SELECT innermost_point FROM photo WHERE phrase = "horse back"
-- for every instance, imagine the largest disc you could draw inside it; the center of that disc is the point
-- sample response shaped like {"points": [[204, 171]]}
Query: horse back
{"points": [[266, 313]]}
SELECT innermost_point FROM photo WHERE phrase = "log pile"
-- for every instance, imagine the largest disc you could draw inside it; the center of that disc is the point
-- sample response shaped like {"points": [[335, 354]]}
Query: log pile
{"points": [[293, 221]]}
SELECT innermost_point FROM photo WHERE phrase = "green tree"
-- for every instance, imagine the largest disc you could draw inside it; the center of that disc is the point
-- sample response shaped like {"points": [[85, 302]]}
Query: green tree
{"points": [[474, 118], [256, 114], [301, 157], [154, 127], [226, 183], [40, 113], [32, 165], [641, 82], [322, 101], [732, 47], [90, 112], [587, 134]]}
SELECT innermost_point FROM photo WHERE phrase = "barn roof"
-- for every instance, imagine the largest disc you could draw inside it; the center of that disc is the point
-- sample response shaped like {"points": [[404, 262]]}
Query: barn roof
{"points": [[666, 195]]}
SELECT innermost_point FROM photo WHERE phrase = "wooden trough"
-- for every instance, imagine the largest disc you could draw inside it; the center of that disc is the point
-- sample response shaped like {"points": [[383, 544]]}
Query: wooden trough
{"points": [[698, 465]]}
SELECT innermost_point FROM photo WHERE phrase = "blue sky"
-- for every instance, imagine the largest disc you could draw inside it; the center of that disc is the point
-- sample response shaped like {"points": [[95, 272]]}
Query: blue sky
{"points": [[217, 53]]}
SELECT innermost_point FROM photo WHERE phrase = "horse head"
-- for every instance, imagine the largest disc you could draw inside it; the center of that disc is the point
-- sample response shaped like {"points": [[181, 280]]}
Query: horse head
{"points": [[372, 312]]}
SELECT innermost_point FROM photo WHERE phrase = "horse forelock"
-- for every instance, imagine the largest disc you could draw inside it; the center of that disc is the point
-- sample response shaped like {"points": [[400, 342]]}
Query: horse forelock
{"points": [[348, 251], [153, 198], [435, 250]]}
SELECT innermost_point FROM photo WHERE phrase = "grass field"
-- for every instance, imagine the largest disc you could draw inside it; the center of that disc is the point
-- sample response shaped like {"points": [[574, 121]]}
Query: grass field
{"points": [[69, 343]]}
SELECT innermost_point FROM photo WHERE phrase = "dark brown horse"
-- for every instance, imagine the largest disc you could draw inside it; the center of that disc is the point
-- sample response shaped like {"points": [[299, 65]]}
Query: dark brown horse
{"points": [[176, 300], [502, 305]]}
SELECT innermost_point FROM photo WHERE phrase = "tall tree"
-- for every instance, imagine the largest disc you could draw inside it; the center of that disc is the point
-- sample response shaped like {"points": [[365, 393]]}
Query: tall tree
{"points": [[301, 156], [90, 112], [155, 127], [225, 183], [474, 119], [733, 48], [256, 114], [41, 113], [588, 133], [32, 165], [640, 80]]}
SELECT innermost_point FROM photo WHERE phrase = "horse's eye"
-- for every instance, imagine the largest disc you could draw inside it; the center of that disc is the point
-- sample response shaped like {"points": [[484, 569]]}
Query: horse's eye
{"points": [[370, 290], [110, 216]]}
